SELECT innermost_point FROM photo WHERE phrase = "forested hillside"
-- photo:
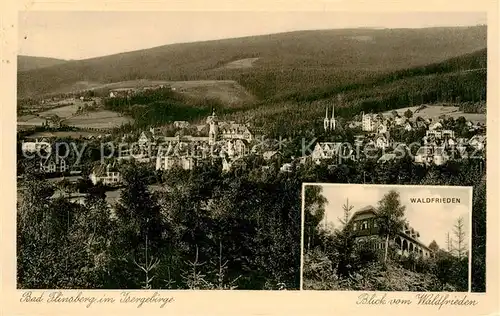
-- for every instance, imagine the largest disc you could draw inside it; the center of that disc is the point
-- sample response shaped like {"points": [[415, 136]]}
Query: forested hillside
{"points": [[459, 81], [25, 63], [287, 62]]}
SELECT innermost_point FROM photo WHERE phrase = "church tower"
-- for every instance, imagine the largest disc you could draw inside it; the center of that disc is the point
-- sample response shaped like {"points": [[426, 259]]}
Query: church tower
{"points": [[213, 130], [326, 121], [332, 120]]}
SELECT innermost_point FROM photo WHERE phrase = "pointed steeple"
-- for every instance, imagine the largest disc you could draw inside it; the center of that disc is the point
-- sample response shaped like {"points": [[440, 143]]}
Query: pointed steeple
{"points": [[326, 121], [332, 120]]}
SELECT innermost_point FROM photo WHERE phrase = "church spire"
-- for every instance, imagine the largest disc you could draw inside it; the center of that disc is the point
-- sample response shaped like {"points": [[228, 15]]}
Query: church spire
{"points": [[332, 120], [326, 121]]}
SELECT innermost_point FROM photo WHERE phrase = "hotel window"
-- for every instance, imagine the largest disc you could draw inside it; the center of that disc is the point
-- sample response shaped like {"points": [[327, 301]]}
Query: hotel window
{"points": [[375, 223], [355, 226], [364, 225]]}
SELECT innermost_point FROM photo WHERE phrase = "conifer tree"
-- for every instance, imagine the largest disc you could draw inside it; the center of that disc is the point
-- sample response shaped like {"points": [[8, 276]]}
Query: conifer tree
{"points": [[344, 241], [461, 243]]}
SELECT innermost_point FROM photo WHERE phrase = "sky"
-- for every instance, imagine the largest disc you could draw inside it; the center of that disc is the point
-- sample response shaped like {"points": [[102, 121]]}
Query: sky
{"points": [[86, 34], [433, 221]]}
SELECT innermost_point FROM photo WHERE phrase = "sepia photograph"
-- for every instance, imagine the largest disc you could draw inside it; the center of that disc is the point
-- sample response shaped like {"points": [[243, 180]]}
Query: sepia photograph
{"points": [[387, 238], [152, 154]]}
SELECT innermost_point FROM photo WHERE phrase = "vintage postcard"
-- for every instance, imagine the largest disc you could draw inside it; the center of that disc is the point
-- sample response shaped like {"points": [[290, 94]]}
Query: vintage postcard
{"points": [[253, 158]]}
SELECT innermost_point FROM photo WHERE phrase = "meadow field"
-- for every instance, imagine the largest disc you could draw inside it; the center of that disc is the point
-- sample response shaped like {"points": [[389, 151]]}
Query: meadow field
{"points": [[241, 63], [434, 111], [63, 134], [101, 119], [226, 91]]}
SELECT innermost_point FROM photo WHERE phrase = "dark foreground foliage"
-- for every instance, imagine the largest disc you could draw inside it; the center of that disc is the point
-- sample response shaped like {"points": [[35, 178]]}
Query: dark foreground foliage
{"points": [[202, 231]]}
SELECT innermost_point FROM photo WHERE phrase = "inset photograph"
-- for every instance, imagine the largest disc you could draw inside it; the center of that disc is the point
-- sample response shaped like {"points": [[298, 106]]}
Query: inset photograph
{"points": [[386, 237]]}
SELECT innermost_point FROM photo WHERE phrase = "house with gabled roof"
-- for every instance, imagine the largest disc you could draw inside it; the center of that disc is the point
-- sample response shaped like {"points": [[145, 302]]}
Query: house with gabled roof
{"points": [[382, 128], [331, 150], [408, 126], [365, 224], [420, 124], [478, 142], [436, 126], [52, 164], [106, 174], [270, 154], [232, 130], [424, 154], [382, 141], [400, 120], [146, 138], [440, 156], [387, 158], [178, 154]]}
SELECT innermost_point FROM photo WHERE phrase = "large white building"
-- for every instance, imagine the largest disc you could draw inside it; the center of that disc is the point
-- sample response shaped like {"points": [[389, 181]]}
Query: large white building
{"points": [[226, 130], [170, 162], [232, 130], [367, 122]]}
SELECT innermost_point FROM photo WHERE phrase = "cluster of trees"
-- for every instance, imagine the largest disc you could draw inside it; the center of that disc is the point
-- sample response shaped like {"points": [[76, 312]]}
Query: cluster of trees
{"points": [[204, 231], [160, 106], [458, 79], [476, 107], [336, 259], [87, 107]]}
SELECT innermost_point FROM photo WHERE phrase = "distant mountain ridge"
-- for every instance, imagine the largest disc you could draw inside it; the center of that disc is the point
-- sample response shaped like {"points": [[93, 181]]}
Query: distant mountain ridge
{"points": [[25, 63], [286, 61]]}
